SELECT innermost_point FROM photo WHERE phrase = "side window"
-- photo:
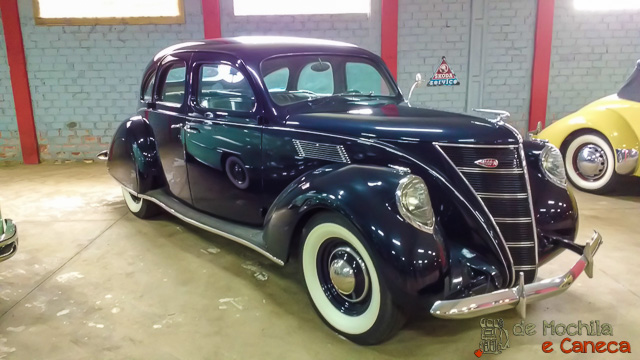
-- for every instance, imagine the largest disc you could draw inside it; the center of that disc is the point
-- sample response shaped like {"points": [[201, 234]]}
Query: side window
{"points": [[317, 77], [277, 80], [147, 95], [365, 79], [172, 90], [223, 87]]}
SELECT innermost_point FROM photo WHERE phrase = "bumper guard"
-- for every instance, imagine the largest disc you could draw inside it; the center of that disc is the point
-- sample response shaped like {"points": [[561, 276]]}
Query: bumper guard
{"points": [[8, 240], [519, 296]]}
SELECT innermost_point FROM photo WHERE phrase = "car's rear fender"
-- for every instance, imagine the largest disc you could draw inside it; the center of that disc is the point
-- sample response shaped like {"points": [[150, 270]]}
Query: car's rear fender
{"points": [[133, 156]]}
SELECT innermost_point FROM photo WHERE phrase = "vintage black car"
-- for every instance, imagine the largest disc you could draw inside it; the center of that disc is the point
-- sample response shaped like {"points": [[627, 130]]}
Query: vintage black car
{"points": [[301, 146]]}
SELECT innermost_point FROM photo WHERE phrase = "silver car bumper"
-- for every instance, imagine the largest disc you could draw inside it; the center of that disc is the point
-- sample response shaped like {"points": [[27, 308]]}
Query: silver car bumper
{"points": [[519, 296], [8, 239]]}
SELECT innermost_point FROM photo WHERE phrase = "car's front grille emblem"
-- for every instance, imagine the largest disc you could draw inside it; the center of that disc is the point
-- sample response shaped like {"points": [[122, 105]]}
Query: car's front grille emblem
{"points": [[487, 163]]}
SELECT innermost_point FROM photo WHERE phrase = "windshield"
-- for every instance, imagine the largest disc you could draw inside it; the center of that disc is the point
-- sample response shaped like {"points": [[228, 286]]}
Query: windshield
{"points": [[295, 78]]}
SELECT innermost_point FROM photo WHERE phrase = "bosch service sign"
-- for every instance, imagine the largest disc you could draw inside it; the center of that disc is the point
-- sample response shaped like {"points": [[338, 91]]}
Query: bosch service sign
{"points": [[443, 75]]}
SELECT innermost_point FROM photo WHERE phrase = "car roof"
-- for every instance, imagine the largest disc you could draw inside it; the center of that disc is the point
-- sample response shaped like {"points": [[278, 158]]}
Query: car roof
{"points": [[258, 48]]}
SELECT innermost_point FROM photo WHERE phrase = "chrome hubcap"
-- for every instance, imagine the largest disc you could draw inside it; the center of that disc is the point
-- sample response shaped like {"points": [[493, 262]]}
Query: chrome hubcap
{"points": [[591, 162], [342, 276], [348, 274]]}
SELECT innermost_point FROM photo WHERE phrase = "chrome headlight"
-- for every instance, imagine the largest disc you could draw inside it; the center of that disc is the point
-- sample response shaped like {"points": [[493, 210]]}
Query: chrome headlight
{"points": [[553, 165], [414, 204]]}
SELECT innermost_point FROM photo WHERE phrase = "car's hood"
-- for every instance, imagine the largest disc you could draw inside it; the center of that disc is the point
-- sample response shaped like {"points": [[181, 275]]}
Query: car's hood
{"points": [[386, 121]]}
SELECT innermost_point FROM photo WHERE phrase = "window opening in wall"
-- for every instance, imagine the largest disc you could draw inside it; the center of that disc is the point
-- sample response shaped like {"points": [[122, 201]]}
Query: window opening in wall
{"points": [[108, 12], [602, 5], [300, 7]]}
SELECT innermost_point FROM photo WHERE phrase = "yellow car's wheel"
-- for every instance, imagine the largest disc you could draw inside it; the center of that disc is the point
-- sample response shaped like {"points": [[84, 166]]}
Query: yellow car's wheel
{"points": [[590, 163]]}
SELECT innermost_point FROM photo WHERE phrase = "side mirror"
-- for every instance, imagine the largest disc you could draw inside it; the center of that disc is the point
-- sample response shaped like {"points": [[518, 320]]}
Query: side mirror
{"points": [[415, 85]]}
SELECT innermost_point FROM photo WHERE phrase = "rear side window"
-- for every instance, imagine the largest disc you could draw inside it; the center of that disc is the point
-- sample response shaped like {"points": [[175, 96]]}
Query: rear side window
{"points": [[173, 87], [317, 77]]}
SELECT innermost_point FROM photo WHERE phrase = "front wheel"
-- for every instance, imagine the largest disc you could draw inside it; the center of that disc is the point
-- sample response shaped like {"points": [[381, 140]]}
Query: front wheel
{"points": [[590, 163], [343, 282], [141, 208]]}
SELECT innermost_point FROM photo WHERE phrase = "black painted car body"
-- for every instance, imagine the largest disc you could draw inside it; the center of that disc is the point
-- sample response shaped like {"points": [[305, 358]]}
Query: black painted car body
{"points": [[346, 154]]}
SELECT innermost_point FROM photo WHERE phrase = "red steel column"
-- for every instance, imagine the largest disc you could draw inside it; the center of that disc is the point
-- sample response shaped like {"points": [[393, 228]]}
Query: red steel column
{"points": [[211, 19], [541, 63], [19, 81], [389, 35]]}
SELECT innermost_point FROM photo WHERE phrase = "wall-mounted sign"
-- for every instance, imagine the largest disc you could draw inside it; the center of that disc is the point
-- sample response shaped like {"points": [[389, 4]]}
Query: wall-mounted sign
{"points": [[443, 75]]}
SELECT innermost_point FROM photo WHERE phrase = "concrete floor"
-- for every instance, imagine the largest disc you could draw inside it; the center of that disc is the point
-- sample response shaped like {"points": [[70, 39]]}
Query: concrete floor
{"points": [[92, 281]]}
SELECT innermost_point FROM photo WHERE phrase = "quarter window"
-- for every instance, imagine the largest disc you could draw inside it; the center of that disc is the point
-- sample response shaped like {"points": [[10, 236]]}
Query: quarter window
{"points": [[174, 85], [224, 87], [148, 90], [317, 77]]}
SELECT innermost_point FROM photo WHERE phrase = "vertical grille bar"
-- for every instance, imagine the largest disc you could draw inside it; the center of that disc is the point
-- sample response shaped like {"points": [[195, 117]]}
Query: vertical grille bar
{"points": [[504, 191]]}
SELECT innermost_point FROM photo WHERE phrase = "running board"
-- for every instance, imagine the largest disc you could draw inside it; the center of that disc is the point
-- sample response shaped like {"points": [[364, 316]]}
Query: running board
{"points": [[248, 236]]}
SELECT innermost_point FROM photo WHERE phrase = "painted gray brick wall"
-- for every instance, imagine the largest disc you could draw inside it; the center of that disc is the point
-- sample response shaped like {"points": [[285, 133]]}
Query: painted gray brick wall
{"points": [[592, 55], [359, 29], [9, 140], [508, 58], [428, 30], [85, 79], [431, 29]]}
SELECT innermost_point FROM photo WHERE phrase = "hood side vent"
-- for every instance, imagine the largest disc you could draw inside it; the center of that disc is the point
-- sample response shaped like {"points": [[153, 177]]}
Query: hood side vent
{"points": [[320, 151]]}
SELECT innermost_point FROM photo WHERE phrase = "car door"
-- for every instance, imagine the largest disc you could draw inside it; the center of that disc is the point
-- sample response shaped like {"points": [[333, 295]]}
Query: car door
{"points": [[224, 140], [167, 118]]}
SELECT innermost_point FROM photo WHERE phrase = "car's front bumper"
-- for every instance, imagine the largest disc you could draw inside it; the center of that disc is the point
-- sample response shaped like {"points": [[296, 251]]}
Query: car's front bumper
{"points": [[8, 239], [519, 296]]}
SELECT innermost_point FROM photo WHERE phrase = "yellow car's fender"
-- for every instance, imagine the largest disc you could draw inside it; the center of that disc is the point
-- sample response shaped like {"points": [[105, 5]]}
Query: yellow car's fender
{"points": [[600, 116]]}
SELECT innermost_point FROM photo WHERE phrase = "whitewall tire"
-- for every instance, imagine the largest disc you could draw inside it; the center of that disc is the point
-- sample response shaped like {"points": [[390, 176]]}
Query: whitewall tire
{"points": [[590, 163], [343, 282], [141, 208]]}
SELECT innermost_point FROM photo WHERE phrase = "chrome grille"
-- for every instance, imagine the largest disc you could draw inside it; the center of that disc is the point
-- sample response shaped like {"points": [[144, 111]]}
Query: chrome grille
{"points": [[505, 193], [314, 150]]}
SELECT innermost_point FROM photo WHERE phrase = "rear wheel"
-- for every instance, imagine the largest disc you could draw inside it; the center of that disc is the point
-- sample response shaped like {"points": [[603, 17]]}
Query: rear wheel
{"points": [[590, 163], [141, 208], [343, 282]]}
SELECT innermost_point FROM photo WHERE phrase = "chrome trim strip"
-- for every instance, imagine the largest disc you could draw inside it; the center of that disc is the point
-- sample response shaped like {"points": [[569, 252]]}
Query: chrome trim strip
{"points": [[503, 196], [207, 228], [512, 220], [522, 244], [518, 297], [526, 267], [493, 171], [626, 161], [476, 146], [513, 274]]}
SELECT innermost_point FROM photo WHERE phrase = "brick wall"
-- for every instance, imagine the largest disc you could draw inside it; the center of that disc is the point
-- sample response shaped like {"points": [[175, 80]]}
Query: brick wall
{"points": [[9, 140], [508, 58], [360, 29], [428, 30], [505, 29], [85, 79], [592, 55]]}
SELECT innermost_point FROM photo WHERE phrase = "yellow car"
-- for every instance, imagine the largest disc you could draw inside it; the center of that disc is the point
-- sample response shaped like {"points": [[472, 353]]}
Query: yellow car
{"points": [[600, 142]]}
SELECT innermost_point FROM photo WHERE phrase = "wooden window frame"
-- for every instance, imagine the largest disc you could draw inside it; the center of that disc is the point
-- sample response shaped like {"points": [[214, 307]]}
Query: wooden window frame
{"points": [[91, 21]]}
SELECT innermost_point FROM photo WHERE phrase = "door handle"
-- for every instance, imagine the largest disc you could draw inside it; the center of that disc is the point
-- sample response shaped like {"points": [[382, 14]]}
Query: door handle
{"points": [[177, 126], [192, 130]]}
